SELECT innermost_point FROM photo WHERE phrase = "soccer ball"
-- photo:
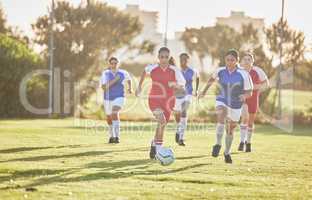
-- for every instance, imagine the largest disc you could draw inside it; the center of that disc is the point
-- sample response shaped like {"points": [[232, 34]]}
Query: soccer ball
{"points": [[165, 156]]}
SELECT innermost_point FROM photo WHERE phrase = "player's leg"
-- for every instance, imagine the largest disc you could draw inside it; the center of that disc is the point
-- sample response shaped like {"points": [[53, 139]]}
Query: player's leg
{"points": [[177, 116], [230, 126], [183, 122], [110, 128], [243, 127], [252, 109], [159, 133], [221, 115], [116, 123], [108, 112], [233, 116], [116, 107], [252, 117]]}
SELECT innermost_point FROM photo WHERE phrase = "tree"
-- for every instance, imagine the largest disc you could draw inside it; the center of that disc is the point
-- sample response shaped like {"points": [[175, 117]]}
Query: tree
{"points": [[210, 41], [16, 60], [83, 35], [3, 27], [215, 41], [292, 43], [281, 36]]}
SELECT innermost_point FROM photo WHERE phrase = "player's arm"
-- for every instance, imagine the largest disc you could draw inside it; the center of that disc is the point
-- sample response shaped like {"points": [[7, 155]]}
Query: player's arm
{"points": [[248, 87], [196, 84], [209, 83], [246, 95], [129, 86], [139, 88], [179, 84], [263, 85], [129, 81], [264, 81], [109, 84]]}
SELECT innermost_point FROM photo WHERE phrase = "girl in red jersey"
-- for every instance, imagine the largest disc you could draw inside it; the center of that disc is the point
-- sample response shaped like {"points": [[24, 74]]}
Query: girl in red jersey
{"points": [[250, 108], [165, 80]]}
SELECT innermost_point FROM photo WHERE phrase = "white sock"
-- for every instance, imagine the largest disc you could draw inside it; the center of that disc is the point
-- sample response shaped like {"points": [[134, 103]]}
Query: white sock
{"points": [[249, 134], [110, 130], [228, 143], [183, 123], [116, 128], [243, 132], [219, 133], [179, 127], [157, 144]]}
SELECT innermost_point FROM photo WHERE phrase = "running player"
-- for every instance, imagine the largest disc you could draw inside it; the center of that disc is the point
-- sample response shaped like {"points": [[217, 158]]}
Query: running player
{"points": [[235, 87], [250, 108], [112, 81], [183, 100], [165, 80]]}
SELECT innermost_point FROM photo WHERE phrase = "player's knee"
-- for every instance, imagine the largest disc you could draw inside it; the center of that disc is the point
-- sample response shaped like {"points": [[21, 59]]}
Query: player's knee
{"points": [[160, 117], [177, 116], [244, 121], [221, 112], [184, 114], [109, 119], [115, 116], [230, 127], [251, 126]]}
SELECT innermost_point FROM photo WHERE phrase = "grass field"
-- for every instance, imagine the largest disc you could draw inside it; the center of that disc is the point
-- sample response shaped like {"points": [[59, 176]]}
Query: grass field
{"points": [[56, 159]]}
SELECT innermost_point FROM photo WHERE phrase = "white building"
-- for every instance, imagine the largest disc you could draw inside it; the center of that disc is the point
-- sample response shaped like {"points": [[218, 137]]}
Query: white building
{"points": [[237, 19]]}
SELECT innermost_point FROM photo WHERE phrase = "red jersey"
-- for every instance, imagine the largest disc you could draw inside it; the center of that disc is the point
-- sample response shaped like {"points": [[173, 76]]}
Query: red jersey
{"points": [[258, 76], [161, 95]]}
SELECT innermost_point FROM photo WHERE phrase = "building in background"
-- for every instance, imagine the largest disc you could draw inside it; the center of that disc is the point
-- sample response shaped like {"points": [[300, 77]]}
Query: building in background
{"points": [[149, 20], [237, 19]]}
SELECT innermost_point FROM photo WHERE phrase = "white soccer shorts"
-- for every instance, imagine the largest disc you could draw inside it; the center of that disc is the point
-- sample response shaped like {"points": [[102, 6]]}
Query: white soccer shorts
{"points": [[232, 114], [109, 104], [179, 102]]}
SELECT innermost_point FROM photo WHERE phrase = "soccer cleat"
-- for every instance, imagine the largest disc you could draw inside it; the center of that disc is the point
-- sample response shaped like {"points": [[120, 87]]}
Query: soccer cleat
{"points": [[181, 143], [152, 152], [116, 140], [241, 146], [177, 137], [227, 158], [216, 150], [111, 140], [248, 147]]}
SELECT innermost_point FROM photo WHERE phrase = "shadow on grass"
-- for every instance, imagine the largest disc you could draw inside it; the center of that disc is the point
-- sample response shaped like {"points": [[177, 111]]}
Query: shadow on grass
{"points": [[191, 157], [30, 173], [109, 170], [48, 157], [22, 149], [74, 155]]}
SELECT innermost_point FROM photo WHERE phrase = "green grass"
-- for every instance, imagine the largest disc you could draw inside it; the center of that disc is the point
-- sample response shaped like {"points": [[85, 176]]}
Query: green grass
{"points": [[61, 160]]}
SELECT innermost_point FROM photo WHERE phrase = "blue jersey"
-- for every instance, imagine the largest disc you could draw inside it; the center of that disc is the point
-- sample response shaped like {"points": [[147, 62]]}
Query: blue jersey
{"points": [[232, 85], [116, 90], [189, 75]]}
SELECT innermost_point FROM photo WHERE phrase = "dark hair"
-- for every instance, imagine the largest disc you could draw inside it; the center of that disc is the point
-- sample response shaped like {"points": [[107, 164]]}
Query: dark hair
{"points": [[112, 58], [250, 55], [172, 61], [233, 52], [163, 49], [184, 54]]}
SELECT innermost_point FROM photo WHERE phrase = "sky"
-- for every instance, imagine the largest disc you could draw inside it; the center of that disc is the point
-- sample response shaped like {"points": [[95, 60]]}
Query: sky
{"points": [[182, 13]]}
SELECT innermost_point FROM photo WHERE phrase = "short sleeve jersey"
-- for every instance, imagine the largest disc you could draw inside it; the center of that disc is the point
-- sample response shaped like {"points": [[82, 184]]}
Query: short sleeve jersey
{"points": [[116, 90], [232, 85]]}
